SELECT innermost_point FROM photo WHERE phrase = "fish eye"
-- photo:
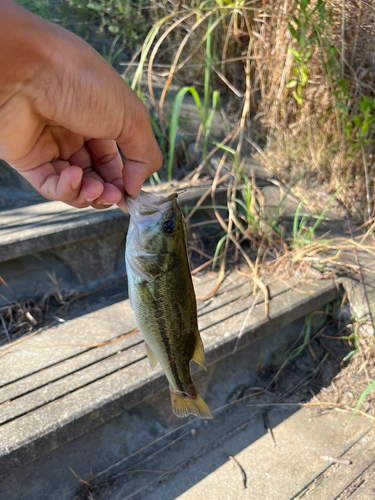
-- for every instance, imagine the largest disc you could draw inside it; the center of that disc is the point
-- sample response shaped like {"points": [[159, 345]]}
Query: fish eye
{"points": [[168, 226]]}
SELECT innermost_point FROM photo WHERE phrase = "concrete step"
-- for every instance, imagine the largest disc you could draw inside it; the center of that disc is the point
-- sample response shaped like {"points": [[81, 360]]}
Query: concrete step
{"points": [[66, 401], [81, 248], [15, 192]]}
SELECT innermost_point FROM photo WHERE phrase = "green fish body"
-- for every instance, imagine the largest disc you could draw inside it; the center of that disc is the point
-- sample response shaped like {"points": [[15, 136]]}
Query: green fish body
{"points": [[162, 295]]}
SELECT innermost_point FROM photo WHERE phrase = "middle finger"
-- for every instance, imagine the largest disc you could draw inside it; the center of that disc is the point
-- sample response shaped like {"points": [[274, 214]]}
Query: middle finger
{"points": [[81, 158]]}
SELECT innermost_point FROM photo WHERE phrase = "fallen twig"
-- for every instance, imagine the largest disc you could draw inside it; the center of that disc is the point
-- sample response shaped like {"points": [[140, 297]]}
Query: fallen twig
{"points": [[244, 323], [268, 428], [337, 460], [240, 469]]}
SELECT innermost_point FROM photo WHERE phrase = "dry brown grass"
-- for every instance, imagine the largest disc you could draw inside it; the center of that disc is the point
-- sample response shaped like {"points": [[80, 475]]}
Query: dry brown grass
{"points": [[308, 138], [304, 144], [23, 317]]}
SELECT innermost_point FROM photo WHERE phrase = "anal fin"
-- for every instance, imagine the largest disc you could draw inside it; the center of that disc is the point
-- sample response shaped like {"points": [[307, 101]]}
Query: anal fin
{"points": [[151, 357], [198, 355]]}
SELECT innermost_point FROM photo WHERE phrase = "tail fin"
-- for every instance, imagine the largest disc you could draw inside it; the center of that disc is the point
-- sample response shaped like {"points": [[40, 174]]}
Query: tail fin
{"points": [[184, 404]]}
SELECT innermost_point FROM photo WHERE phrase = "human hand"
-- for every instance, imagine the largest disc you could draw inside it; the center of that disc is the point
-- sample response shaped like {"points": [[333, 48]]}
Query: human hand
{"points": [[64, 110]]}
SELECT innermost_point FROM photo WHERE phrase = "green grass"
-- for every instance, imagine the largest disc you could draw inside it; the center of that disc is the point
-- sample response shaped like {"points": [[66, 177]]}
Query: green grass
{"points": [[369, 388], [302, 233]]}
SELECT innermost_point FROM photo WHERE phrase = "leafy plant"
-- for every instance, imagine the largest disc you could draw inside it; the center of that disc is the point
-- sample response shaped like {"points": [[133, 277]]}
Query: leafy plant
{"points": [[306, 338], [252, 221], [42, 8], [90, 19], [306, 33], [361, 124], [118, 17]]}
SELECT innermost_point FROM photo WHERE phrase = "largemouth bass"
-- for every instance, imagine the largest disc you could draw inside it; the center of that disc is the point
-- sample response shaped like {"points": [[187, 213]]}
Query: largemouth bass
{"points": [[162, 295]]}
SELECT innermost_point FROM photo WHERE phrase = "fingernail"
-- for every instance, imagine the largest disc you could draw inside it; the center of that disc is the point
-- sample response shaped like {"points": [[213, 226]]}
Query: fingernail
{"points": [[89, 201], [106, 204], [75, 185]]}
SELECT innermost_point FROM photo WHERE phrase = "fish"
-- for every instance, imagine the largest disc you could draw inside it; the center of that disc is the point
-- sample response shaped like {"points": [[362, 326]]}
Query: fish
{"points": [[162, 295]]}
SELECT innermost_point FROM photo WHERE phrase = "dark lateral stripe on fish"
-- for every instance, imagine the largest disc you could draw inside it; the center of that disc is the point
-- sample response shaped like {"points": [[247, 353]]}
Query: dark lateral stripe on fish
{"points": [[163, 329], [167, 343]]}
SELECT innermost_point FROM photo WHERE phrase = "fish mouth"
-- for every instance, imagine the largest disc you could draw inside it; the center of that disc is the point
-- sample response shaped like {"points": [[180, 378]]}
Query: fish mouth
{"points": [[169, 199], [149, 204]]}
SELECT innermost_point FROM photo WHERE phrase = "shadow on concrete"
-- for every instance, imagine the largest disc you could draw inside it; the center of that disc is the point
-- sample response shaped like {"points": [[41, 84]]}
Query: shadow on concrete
{"points": [[142, 447], [237, 376]]}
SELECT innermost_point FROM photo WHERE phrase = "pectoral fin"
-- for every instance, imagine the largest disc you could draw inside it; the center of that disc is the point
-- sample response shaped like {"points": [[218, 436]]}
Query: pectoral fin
{"points": [[198, 355], [151, 357]]}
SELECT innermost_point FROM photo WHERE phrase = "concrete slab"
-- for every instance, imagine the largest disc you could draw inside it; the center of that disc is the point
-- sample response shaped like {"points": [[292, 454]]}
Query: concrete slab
{"points": [[54, 389], [272, 472], [340, 477], [366, 490], [118, 436]]}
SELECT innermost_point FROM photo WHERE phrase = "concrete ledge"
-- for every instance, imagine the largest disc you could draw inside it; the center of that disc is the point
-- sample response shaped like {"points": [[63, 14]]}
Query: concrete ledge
{"points": [[82, 248], [48, 225], [55, 388]]}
